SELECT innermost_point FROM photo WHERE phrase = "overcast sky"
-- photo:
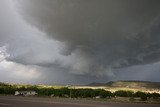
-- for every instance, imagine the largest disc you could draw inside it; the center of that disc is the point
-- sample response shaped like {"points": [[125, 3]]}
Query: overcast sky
{"points": [[79, 41]]}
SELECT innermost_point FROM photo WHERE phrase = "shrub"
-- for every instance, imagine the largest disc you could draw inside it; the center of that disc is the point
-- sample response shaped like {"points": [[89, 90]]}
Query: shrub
{"points": [[142, 95], [105, 94], [155, 95], [122, 93]]}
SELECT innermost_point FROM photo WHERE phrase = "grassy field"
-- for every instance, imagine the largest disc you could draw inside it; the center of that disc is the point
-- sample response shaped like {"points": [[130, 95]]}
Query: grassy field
{"points": [[148, 87], [113, 89]]}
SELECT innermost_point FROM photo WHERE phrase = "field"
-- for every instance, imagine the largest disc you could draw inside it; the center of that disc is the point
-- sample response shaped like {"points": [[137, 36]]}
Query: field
{"points": [[151, 87]]}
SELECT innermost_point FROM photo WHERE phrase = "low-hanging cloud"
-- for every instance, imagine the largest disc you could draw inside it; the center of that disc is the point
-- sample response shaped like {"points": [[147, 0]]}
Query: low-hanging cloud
{"points": [[98, 34]]}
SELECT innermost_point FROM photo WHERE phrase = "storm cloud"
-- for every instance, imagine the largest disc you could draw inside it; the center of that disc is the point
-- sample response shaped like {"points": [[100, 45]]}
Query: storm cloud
{"points": [[99, 34], [79, 41]]}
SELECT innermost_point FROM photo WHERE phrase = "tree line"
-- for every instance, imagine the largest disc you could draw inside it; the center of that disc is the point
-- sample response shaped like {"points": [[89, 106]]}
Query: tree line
{"points": [[76, 93]]}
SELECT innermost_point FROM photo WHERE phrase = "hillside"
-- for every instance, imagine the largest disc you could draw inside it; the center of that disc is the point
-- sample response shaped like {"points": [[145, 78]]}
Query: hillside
{"points": [[129, 84]]}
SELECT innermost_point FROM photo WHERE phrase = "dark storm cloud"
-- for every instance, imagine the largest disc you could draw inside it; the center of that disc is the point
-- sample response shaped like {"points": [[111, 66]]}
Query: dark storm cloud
{"points": [[99, 34], [79, 41]]}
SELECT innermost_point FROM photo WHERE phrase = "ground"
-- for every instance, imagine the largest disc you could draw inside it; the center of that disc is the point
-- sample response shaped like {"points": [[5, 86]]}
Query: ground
{"points": [[12, 101]]}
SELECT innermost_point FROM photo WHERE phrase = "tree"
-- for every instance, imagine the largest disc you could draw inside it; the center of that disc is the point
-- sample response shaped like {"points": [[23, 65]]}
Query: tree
{"points": [[142, 95], [122, 93]]}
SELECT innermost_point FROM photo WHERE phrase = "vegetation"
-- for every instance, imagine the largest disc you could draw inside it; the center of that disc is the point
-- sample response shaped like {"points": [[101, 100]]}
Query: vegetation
{"points": [[129, 84], [122, 93], [142, 95], [7, 89]]}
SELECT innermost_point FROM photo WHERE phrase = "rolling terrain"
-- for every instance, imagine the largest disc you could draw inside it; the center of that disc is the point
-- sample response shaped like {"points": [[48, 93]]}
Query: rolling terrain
{"points": [[130, 84], [113, 86], [144, 86]]}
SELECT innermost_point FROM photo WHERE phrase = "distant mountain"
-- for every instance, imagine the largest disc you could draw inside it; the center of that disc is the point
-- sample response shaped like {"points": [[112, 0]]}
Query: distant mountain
{"points": [[129, 84]]}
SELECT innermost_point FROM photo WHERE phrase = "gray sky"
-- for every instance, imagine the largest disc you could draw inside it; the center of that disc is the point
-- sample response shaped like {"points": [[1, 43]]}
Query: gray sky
{"points": [[79, 41]]}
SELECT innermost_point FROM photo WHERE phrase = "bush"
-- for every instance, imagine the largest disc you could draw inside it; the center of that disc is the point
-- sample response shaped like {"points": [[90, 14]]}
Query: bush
{"points": [[105, 94], [122, 93], [155, 95], [149, 95], [142, 95]]}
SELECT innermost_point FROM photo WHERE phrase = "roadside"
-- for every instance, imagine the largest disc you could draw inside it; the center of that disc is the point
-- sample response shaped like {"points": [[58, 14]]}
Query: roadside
{"points": [[65, 102], [83, 100]]}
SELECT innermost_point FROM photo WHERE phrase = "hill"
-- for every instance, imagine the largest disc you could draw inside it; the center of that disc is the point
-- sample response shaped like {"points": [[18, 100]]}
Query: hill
{"points": [[129, 84]]}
